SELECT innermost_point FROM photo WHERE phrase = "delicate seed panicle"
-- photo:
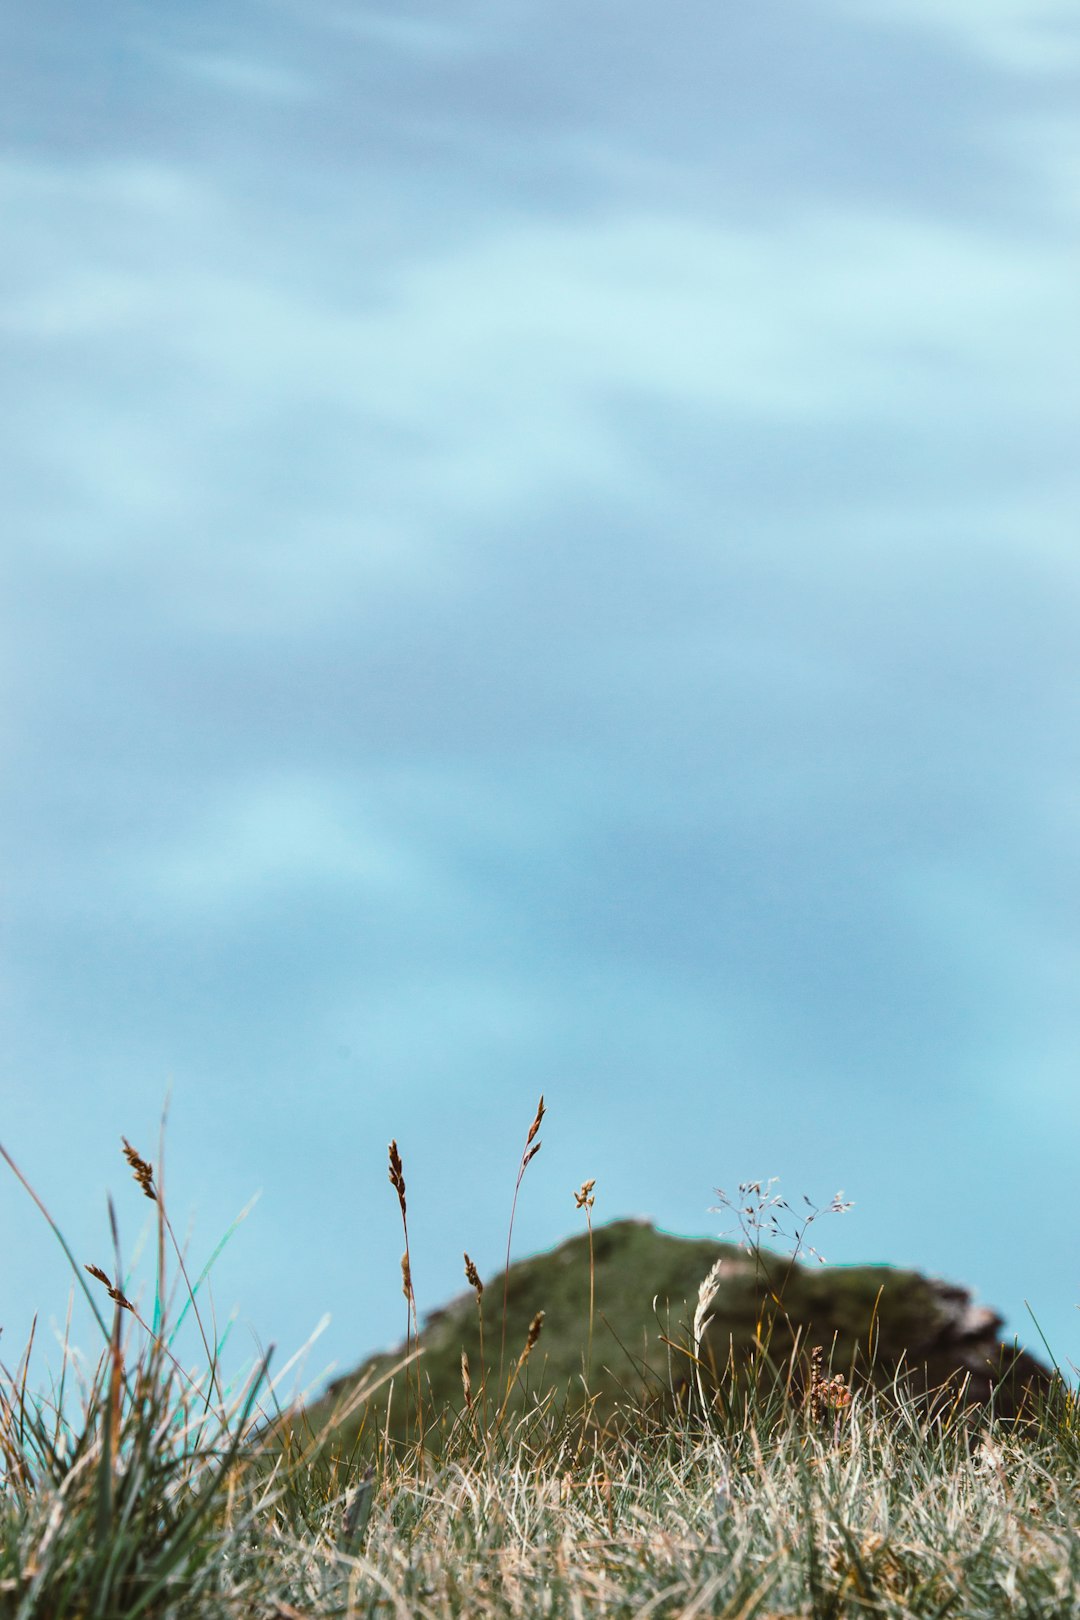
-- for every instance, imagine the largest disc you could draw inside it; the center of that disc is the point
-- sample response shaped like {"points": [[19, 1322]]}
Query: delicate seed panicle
{"points": [[406, 1277], [583, 1198], [531, 1154], [534, 1331], [535, 1126], [530, 1340], [142, 1171], [466, 1379], [472, 1276], [115, 1293], [397, 1175]]}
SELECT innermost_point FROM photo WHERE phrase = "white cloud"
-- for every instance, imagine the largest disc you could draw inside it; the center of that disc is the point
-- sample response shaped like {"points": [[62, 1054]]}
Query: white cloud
{"points": [[402, 836], [1036, 36], [246, 76], [495, 365], [272, 838], [1048, 149], [416, 36]]}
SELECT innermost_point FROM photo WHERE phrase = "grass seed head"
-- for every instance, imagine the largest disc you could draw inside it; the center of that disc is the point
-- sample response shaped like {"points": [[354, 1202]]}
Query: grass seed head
{"points": [[142, 1171], [397, 1174], [472, 1277], [115, 1294], [535, 1126]]}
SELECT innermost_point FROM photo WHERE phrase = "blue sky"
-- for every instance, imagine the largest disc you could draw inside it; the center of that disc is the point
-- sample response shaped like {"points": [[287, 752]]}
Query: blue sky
{"points": [[541, 555]]}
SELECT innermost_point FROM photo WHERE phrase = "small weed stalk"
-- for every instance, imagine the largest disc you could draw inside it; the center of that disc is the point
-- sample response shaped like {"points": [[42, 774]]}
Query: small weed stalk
{"points": [[759, 1214], [825, 1400]]}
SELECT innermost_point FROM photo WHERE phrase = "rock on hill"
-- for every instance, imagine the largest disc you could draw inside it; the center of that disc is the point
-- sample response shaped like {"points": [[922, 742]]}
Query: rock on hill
{"points": [[646, 1286]]}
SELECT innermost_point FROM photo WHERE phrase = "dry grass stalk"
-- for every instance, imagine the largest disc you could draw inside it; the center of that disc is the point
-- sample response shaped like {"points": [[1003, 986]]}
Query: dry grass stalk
{"points": [[142, 1171], [396, 1173], [532, 1148], [122, 1303], [115, 1294], [530, 1344], [472, 1277], [535, 1126], [584, 1198], [710, 1287]]}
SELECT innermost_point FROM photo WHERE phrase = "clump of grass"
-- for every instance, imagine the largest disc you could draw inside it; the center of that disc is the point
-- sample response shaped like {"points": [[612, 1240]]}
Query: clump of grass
{"points": [[885, 1516], [114, 1495]]}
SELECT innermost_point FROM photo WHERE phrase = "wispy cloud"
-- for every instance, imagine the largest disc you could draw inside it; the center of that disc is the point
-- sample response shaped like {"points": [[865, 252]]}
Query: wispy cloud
{"points": [[1033, 36]]}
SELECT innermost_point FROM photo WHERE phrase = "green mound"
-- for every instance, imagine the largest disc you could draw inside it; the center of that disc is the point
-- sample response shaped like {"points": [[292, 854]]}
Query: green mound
{"points": [[871, 1322]]}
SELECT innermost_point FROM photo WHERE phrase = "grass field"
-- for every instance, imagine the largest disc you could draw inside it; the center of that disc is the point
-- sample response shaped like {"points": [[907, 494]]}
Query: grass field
{"points": [[142, 1488]]}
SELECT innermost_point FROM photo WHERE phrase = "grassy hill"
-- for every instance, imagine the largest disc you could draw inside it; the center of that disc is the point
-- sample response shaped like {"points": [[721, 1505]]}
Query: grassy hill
{"points": [[869, 1321]]}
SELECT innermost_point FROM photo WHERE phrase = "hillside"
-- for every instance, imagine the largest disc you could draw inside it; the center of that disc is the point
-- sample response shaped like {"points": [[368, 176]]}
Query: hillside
{"points": [[908, 1319]]}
